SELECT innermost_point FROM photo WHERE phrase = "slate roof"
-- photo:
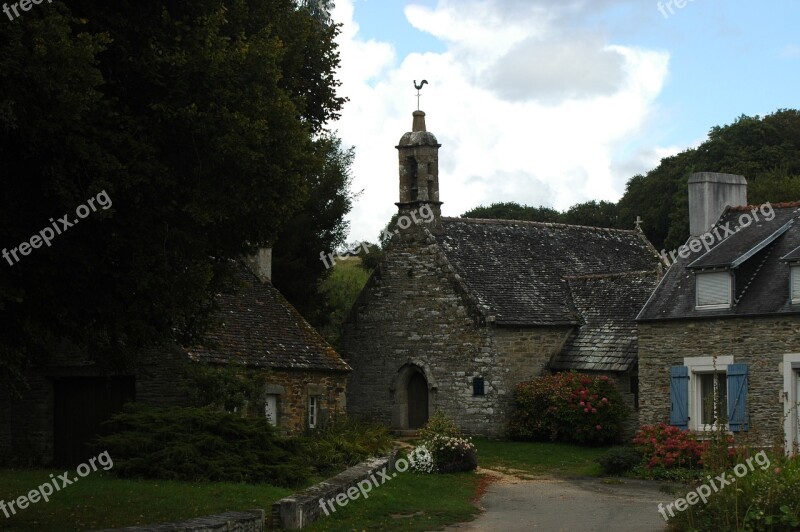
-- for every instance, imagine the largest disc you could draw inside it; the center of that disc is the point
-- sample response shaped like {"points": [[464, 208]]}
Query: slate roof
{"points": [[515, 269], [258, 327], [606, 306], [792, 256], [753, 253]]}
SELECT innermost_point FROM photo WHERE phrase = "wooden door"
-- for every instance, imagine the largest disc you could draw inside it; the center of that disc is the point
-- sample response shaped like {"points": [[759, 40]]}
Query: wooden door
{"points": [[82, 405], [417, 401]]}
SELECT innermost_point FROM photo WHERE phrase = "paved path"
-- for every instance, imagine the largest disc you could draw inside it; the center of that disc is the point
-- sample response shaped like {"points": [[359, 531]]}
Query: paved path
{"points": [[570, 505]]}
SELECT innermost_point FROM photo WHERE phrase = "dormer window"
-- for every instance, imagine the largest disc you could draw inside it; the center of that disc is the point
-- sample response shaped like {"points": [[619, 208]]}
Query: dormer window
{"points": [[795, 284], [713, 290]]}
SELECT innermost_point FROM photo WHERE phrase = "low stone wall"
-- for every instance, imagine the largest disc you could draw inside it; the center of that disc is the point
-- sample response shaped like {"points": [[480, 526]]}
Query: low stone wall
{"points": [[302, 509], [249, 521]]}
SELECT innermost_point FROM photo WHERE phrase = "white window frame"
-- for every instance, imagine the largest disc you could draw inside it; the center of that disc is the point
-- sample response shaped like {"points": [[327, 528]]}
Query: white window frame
{"points": [[794, 276], [791, 401], [715, 306], [698, 366], [313, 411]]}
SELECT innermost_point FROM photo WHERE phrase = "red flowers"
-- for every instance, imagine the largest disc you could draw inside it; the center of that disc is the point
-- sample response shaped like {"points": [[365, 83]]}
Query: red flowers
{"points": [[567, 407], [667, 446]]}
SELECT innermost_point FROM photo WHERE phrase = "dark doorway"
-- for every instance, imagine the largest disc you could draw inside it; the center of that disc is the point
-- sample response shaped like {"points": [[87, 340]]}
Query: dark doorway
{"points": [[417, 401], [82, 404]]}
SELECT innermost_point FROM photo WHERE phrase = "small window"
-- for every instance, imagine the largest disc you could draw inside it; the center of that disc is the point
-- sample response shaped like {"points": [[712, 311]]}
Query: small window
{"points": [[795, 285], [313, 405], [713, 290], [634, 383], [271, 409], [713, 398], [478, 386]]}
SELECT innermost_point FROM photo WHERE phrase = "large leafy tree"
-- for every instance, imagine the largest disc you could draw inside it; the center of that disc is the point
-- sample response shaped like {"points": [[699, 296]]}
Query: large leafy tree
{"points": [[203, 121], [766, 150], [318, 227]]}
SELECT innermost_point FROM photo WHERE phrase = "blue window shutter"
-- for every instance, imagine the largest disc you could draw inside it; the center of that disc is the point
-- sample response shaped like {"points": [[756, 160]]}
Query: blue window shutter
{"points": [[737, 397], [679, 396]]}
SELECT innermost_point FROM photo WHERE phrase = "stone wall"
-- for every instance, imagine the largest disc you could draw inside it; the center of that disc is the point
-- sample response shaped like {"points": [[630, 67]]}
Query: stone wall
{"points": [[301, 509], [293, 389], [414, 315], [758, 342], [27, 431]]}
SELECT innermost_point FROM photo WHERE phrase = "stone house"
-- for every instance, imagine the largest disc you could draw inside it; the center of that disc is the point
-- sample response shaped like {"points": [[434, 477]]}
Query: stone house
{"points": [[256, 328], [459, 311], [719, 340]]}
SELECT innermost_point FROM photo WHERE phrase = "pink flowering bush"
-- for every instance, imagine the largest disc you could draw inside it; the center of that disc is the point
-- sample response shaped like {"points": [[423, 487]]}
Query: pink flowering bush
{"points": [[666, 446], [569, 407]]}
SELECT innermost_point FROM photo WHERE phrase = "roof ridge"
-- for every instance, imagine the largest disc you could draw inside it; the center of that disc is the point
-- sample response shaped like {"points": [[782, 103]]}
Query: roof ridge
{"points": [[500, 221], [780, 205]]}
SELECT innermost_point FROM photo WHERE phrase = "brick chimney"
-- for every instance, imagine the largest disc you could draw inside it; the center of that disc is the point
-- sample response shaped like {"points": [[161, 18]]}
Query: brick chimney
{"points": [[709, 194]]}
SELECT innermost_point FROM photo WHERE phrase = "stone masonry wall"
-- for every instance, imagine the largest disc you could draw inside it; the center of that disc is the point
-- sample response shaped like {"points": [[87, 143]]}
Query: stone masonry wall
{"points": [[26, 433], [758, 342], [413, 314], [293, 389]]}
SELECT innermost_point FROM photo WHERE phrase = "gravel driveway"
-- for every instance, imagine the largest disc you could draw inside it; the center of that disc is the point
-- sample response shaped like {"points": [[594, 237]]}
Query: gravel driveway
{"points": [[573, 505]]}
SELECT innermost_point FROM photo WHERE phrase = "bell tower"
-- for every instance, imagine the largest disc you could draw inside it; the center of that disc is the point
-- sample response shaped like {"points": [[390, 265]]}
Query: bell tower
{"points": [[419, 168]]}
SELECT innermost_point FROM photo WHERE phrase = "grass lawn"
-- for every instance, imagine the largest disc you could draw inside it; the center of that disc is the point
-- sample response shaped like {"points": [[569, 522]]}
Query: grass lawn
{"points": [[99, 501], [409, 502], [540, 459]]}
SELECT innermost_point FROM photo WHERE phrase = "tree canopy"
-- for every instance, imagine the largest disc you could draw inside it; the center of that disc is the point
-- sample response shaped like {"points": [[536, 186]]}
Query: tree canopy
{"points": [[205, 123], [766, 150]]}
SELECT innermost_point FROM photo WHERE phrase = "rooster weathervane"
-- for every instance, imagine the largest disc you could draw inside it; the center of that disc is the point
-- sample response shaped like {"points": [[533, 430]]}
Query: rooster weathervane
{"points": [[419, 88]]}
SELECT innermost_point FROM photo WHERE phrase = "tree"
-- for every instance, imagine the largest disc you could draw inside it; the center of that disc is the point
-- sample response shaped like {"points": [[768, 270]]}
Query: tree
{"points": [[594, 214], [766, 150], [514, 211], [317, 227], [196, 118]]}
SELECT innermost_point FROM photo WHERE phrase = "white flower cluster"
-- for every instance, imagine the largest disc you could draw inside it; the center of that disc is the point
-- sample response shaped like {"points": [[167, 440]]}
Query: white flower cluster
{"points": [[452, 443], [422, 460]]}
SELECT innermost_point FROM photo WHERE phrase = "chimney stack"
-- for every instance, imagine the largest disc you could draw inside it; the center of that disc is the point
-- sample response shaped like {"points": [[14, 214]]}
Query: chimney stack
{"points": [[709, 194], [261, 264]]}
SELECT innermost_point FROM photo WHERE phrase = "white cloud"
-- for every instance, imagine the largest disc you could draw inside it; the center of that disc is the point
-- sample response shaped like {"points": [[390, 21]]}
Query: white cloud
{"points": [[791, 51], [528, 107]]}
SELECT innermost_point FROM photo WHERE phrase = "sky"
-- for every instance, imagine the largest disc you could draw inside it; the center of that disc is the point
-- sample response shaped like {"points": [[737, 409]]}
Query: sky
{"points": [[550, 102]]}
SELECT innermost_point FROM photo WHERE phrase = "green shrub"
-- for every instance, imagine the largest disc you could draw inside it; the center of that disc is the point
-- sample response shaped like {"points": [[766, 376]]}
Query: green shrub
{"points": [[201, 444], [619, 460], [344, 443], [439, 425], [452, 454], [765, 498], [569, 407]]}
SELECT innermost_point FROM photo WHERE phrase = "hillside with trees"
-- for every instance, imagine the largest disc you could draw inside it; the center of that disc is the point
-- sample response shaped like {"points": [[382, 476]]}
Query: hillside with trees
{"points": [[766, 150]]}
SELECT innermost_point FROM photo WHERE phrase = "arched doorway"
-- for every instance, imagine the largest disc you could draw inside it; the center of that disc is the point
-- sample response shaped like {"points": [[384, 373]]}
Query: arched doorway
{"points": [[417, 401]]}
